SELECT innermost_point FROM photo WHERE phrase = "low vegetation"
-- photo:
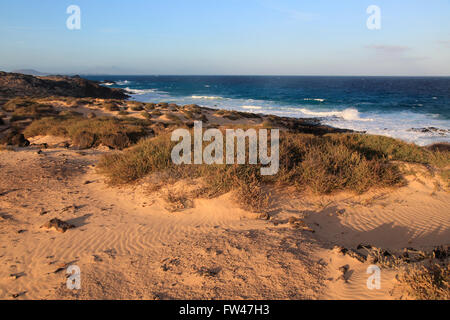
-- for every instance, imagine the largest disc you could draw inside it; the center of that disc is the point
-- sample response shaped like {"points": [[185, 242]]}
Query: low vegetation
{"points": [[86, 133], [22, 109], [431, 282], [321, 164]]}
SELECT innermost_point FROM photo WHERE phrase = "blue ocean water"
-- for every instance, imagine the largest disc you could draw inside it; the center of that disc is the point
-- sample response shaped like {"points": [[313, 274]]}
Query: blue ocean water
{"points": [[395, 106]]}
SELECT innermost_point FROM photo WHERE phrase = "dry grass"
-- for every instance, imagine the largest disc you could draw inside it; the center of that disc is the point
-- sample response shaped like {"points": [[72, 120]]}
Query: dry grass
{"points": [[426, 282], [321, 164], [21, 109], [115, 133], [177, 202]]}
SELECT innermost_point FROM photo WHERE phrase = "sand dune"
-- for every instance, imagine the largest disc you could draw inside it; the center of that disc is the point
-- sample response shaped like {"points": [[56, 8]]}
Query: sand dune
{"points": [[128, 245]]}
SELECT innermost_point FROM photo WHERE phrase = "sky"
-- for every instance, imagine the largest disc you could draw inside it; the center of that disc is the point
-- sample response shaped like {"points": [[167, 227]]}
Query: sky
{"points": [[227, 37]]}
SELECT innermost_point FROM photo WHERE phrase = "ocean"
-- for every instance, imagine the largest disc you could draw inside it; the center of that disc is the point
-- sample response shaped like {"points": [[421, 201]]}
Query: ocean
{"points": [[414, 109]]}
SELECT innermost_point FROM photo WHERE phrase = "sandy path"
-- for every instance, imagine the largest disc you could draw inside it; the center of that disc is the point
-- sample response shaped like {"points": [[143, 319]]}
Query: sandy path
{"points": [[128, 246]]}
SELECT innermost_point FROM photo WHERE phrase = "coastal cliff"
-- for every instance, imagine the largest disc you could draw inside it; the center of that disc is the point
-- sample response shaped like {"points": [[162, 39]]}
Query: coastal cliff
{"points": [[21, 85]]}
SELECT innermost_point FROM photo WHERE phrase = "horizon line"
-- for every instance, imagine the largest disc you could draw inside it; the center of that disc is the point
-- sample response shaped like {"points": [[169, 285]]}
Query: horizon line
{"points": [[218, 75]]}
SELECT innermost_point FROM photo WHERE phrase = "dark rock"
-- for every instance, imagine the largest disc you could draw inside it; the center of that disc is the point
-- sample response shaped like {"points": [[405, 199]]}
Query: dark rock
{"points": [[13, 138], [344, 269], [430, 130], [107, 82], [17, 295], [264, 216], [441, 253], [340, 249], [17, 275], [18, 85], [58, 225], [97, 258]]}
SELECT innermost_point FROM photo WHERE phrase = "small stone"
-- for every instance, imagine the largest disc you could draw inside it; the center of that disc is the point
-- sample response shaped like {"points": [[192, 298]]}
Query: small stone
{"points": [[58, 225], [264, 216], [344, 269], [156, 296], [16, 295], [17, 275], [97, 258]]}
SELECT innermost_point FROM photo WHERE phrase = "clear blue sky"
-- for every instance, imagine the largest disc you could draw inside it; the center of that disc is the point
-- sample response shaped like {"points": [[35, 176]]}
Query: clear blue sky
{"points": [[284, 37]]}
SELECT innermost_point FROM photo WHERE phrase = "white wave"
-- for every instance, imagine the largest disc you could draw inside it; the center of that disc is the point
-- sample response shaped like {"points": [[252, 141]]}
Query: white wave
{"points": [[207, 97], [123, 83], [317, 99], [108, 83], [252, 107], [140, 91], [398, 125], [347, 114]]}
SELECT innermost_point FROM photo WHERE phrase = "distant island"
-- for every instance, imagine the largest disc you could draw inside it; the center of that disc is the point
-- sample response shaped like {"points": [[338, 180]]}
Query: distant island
{"points": [[31, 72]]}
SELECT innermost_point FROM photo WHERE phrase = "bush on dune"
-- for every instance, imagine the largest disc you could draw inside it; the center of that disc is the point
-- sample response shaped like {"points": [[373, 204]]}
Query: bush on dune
{"points": [[22, 108], [373, 146], [321, 164], [430, 282], [115, 133], [326, 164]]}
